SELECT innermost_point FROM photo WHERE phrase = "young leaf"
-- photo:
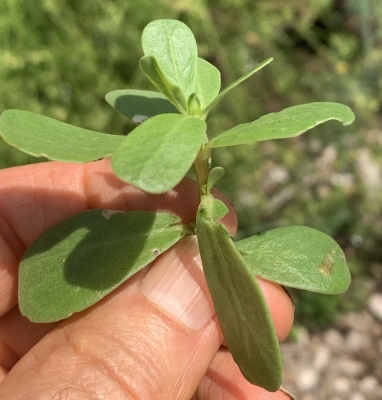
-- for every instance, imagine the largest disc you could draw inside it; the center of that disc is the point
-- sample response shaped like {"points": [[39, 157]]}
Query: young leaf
{"points": [[139, 105], [153, 71], [299, 257], [239, 302], [285, 124], [215, 175], [173, 45], [42, 136], [82, 259], [234, 84], [157, 154], [194, 106], [207, 82]]}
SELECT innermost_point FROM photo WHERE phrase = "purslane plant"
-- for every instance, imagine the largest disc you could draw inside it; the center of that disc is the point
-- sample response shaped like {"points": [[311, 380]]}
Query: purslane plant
{"points": [[80, 260]]}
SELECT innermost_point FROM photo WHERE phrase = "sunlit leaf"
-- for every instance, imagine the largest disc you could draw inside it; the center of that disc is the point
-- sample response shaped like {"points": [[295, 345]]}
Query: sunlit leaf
{"points": [[173, 45], [299, 257], [228, 89], [285, 124], [207, 82], [153, 71], [42, 136], [239, 302], [157, 154], [82, 259], [140, 105]]}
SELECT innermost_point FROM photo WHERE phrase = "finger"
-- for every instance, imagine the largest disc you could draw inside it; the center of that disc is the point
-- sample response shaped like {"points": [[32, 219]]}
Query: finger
{"points": [[223, 380], [280, 306], [3, 373], [154, 337], [18, 335], [36, 197]]}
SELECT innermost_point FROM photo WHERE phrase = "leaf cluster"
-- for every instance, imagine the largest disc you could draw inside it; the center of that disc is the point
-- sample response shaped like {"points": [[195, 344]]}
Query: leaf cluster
{"points": [[170, 139]]}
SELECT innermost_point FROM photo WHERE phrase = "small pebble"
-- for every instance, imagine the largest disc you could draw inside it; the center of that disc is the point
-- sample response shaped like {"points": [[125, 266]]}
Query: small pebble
{"points": [[307, 397], [375, 305], [341, 385], [351, 367], [357, 396], [368, 384], [356, 341], [379, 346], [322, 357], [334, 340], [307, 379]]}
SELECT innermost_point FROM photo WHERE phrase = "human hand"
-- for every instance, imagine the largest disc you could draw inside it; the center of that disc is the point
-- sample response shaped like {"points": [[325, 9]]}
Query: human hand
{"points": [[155, 337]]}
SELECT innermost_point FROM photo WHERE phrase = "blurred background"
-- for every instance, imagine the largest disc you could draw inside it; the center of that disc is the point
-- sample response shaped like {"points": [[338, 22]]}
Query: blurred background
{"points": [[59, 58]]}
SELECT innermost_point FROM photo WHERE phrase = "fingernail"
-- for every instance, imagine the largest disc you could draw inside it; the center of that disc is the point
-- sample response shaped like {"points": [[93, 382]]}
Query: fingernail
{"points": [[176, 284], [288, 393]]}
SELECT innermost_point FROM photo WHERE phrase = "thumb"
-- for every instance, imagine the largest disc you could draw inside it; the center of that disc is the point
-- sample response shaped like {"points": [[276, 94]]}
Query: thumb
{"points": [[153, 338]]}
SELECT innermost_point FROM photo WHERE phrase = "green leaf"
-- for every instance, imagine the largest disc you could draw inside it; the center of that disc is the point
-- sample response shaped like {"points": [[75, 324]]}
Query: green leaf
{"points": [[214, 176], [194, 106], [82, 259], [299, 257], [151, 68], [239, 303], [228, 89], [208, 82], [173, 45], [212, 208], [42, 136], [157, 154], [285, 124], [140, 105]]}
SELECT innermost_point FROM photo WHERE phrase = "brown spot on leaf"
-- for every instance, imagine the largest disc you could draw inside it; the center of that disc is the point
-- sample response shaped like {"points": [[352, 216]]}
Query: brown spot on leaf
{"points": [[326, 265]]}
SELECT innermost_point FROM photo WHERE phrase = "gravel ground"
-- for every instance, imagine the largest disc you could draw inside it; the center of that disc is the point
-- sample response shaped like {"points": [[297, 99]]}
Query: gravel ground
{"points": [[342, 363]]}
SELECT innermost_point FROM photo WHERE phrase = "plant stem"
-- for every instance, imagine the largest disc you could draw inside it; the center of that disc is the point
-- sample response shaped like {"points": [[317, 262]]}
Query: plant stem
{"points": [[202, 170]]}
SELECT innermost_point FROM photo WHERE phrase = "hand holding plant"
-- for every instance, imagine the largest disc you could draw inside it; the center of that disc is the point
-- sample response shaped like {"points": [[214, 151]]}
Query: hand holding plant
{"points": [[155, 337], [79, 261]]}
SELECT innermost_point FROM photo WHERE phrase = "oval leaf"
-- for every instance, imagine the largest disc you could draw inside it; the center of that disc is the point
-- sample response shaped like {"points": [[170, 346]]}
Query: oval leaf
{"points": [[173, 45], [42, 136], [152, 70], [156, 155], [139, 105], [208, 82], [299, 257], [285, 124], [239, 303], [82, 259]]}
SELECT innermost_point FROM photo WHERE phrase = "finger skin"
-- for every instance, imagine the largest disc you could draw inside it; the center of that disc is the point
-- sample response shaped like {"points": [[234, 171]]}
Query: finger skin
{"points": [[127, 347], [123, 347], [224, 381], [18, 335]]}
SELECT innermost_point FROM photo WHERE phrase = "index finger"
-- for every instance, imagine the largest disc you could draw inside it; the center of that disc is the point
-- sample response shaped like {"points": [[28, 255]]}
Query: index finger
{"points": [[34, 198]]}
